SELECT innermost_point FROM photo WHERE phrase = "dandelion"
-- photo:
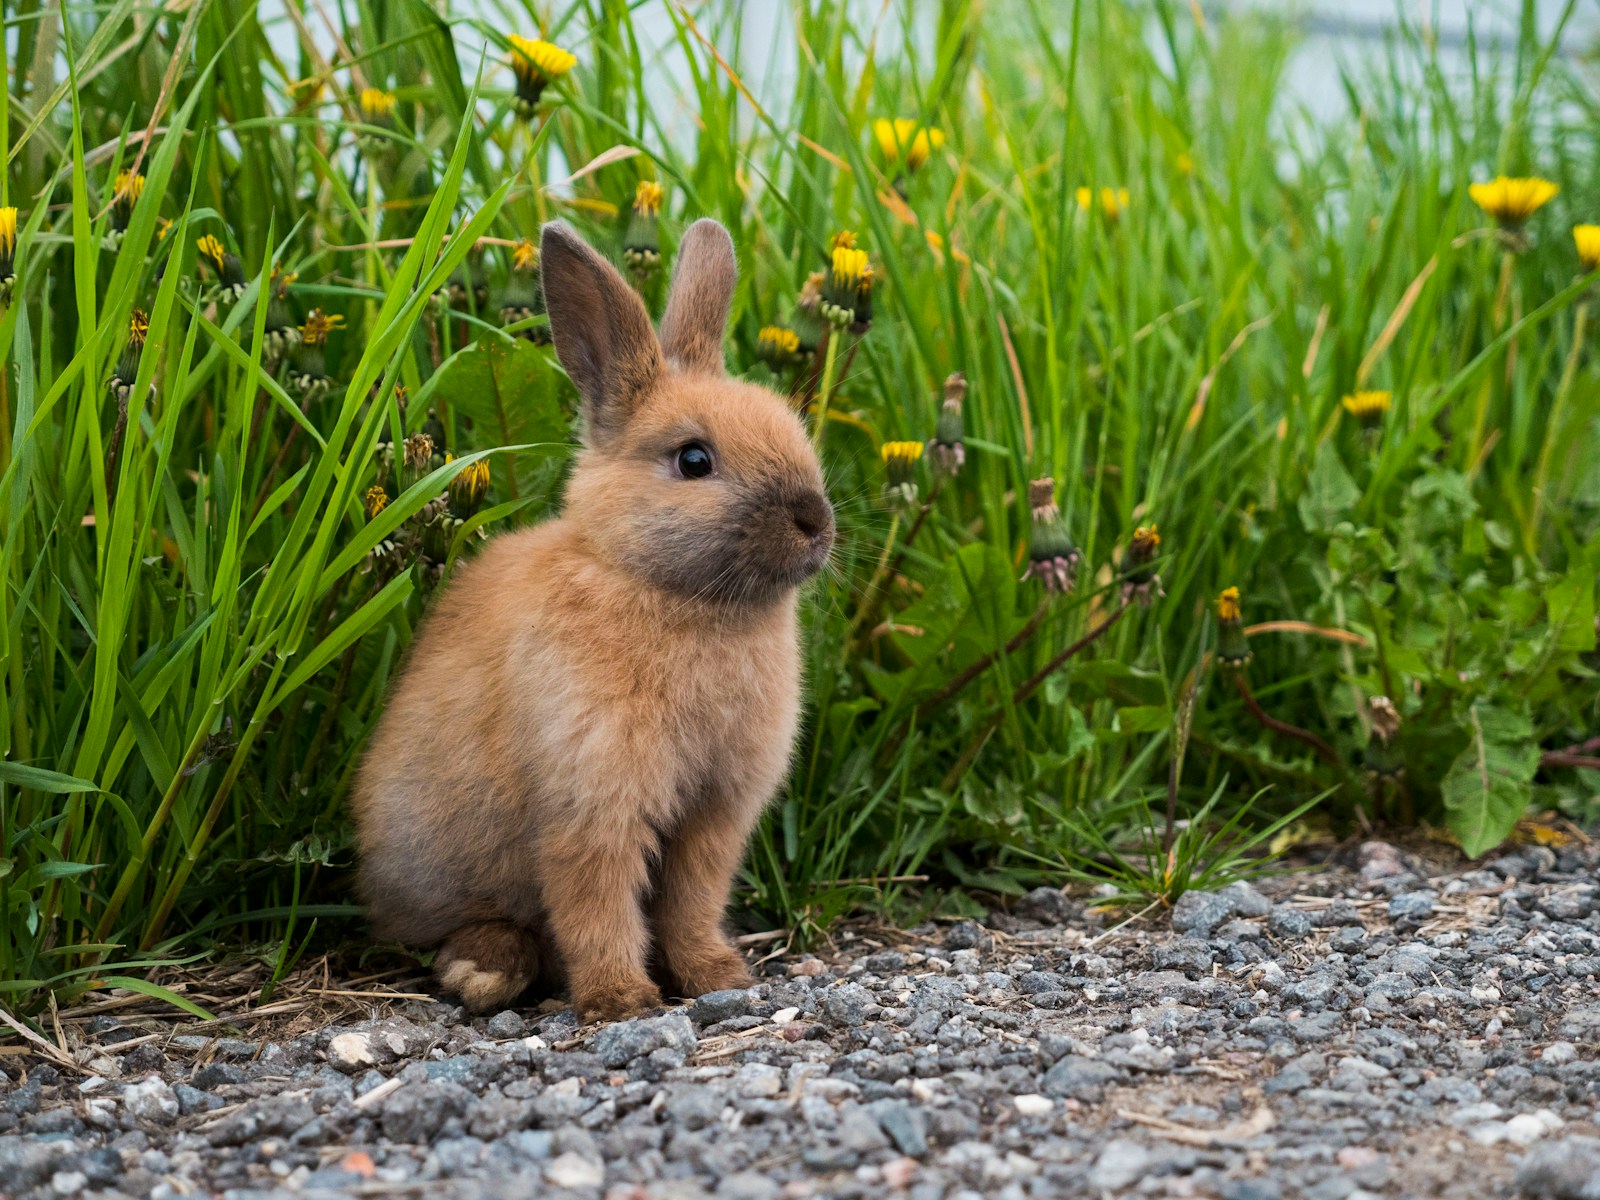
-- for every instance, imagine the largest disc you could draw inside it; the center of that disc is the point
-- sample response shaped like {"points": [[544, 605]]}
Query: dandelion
{"points": [[1052, 557], [419, 453], [282, 332], [847, 286], [900, 463], [641, 242], [127, 369], [1510, 202], [903, 137], [309, 375], [1368, 408], [1233, 650], [8, 252], [224, 265], [377, 109], [778, 346], [125, 194], [1140, 581], [1112, 201], [374, 501], [536, 64], [468, 489], [1382, 758], [523, 298], [1587, 239], [948, 447]]}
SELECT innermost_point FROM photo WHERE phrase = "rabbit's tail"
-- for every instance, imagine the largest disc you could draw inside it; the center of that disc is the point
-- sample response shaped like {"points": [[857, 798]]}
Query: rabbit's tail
{"points": [[488, 964]]}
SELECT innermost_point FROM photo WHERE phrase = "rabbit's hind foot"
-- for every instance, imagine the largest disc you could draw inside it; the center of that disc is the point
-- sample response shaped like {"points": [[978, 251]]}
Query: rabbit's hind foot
{"points": [[488, 965]]}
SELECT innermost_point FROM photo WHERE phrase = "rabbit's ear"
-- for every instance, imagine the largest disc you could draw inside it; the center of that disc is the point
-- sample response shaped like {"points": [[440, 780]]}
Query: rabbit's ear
{"points": [[601, 330], [697, 307]]}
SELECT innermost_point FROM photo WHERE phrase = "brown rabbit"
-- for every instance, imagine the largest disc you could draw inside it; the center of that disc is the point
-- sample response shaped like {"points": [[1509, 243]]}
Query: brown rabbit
{"points": [[598, 708]]}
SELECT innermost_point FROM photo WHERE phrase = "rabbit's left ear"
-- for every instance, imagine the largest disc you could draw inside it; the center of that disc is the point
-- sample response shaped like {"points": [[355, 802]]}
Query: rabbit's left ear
{"points": [[697, 306]]}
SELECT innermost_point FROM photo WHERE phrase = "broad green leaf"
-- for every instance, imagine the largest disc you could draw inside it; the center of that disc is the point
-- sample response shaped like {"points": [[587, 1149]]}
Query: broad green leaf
{"points": [[1330, 492], [1488, 786]]}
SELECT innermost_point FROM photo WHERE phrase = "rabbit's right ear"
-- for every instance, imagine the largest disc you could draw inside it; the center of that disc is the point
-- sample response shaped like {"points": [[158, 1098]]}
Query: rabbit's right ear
{"points": [[601, 331]]}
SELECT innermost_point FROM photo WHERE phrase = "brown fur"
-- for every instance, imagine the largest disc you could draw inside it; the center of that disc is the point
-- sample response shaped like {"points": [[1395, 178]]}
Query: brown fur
{"points": [[598, 708]]}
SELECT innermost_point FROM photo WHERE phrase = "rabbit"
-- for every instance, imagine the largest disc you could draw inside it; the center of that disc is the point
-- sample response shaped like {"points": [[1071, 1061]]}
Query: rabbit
{"points": [[598, 708]]}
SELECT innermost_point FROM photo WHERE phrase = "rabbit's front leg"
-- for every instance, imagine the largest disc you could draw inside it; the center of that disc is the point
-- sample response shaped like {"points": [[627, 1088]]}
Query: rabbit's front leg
{"points": [[593, 874], [698, 863]]}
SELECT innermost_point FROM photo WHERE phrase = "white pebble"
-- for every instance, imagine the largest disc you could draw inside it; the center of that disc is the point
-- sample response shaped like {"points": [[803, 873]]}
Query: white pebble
{"points": [[1033, 1105], [785, 1015]]}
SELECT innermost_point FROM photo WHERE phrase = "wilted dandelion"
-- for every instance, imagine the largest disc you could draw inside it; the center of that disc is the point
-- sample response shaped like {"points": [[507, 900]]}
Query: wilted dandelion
{"points": [[900, 464], [948, 448], [419, 454], [523, 298], [1510, 202], [125, 194], [1587, 239], [224, 265], [377, 108], [1052, 557], [809, 324], [778, 346], [847, 286], [904, 138], [309, 375], [374, 501], [127, 368], [282, 332], [1140, 582], [1382, 759], [1112, 201], [468, 489], [8, 252], [536, 64], [1233, 648], [1369, 408], [641, 242]]}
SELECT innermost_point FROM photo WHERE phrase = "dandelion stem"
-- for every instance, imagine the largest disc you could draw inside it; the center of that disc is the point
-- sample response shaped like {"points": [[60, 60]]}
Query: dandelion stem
{"points": [[1552, 429], [983, 664], [1283, 727], [832, 357], [869, 598]]}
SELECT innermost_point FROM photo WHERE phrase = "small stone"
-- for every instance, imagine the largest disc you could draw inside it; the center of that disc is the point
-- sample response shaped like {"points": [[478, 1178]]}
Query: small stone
{"points": [[1201, 912], [415, 1113], [964, 935], [351, 1052], [1289, 922], [572, 1170], [847, 1005], [1568, 1169], [1120, 1163], [504, 1026], [1414, 907], [1047, 905], [907, 1127], [151, 1100], [721, 1006], [619, 1044], [899, 1173], [1033, 1104], [784, 1016], [1558, 1054], [1077, 1077]]}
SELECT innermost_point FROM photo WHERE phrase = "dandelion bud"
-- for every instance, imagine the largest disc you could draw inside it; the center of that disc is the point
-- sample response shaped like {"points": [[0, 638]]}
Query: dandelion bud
{"points": [[778, 346], [523, 299], [808, 320], [419, 453], [1052, 557], [129, 187], [225, 265], [1233, 649], [8, 252], [309, 374], [1382, 757], [900, 464], [127, 369], [948, 447], [1140, 582], [468, 489], [536, 64], [377, 109], [1368, 407], [641, 243]]}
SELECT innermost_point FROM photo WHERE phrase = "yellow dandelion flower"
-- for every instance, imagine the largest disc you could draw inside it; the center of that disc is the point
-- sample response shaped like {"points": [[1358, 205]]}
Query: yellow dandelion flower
{"points": [[1368, 407], [844, 239], [374, 501], [1232, 648], [376, 104], [777, 345], [524, 255], [1112, 200], [849, 265], [1512, 201], [1228, 608], [138, 326], [1184, 162], [8, 236], [1146, 541], [647, 198], [210, 248], [902, 136], [536, 63], [468, 489], [130, 186], [1587, 238]]}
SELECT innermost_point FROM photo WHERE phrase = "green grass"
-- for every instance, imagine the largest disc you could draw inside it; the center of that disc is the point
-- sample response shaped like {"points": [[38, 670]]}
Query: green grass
{"points": [[196, 642]]}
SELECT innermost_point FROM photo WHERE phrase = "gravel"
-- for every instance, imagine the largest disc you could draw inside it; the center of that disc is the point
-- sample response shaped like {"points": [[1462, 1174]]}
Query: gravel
{"points": [[1376, 1029]]}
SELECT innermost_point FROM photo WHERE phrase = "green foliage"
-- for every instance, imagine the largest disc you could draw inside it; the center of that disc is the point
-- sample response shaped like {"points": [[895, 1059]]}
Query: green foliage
{"points": [[203, 603]]}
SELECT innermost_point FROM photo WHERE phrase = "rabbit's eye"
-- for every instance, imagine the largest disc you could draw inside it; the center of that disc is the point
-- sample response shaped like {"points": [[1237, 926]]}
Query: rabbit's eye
{"points": [[694, 461]]}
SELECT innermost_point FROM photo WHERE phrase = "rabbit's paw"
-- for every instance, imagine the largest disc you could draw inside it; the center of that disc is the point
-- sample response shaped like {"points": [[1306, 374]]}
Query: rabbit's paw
{"points": [[487, 965], [711, 969], [616, 1001]]}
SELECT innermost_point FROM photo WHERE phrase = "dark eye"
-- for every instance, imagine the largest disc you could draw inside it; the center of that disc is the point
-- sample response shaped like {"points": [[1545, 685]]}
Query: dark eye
{"points": [[694, 461]]}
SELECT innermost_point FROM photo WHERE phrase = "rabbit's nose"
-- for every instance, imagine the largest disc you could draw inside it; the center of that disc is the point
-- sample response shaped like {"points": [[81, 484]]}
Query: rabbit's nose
{"points": [[813, 516]]}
